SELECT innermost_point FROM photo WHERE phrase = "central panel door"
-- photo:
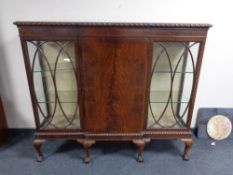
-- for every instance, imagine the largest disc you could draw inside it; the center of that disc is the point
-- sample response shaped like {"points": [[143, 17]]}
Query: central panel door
{"points": [[114, 84]]}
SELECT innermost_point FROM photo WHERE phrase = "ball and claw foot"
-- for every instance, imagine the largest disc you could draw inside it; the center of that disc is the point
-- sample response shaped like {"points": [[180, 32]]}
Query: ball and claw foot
{"points": [[185, 157], [39, 158], [140, 159], [87, 159]]}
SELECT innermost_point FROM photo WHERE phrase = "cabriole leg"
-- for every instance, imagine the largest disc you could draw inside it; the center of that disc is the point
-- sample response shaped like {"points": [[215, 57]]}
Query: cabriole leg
{"points": [[87, 146], [188, 145], [140, 143], [38, 147]]}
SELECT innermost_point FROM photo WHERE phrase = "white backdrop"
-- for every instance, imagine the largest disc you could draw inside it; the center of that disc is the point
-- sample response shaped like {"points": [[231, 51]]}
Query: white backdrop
{"points": [[216, 80]]}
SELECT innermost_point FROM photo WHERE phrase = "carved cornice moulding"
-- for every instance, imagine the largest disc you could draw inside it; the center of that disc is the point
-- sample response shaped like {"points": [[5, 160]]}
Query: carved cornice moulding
{"points": [[110, 24]]}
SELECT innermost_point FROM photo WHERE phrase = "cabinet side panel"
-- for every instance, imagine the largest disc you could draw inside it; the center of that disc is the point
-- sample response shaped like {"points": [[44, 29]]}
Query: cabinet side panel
{"points": [[114, 83], [3, 123]]}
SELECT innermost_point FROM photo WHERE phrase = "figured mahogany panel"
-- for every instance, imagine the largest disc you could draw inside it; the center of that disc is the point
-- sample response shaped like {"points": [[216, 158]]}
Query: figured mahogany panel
{"points": [[115, 73]]}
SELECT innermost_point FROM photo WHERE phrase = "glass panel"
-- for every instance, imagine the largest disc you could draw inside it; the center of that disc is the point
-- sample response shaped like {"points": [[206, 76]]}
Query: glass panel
{"points": [[53, 70], [172, 79]]}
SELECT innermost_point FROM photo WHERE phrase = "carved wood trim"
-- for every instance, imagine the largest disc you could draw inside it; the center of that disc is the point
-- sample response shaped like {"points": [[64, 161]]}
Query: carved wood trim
{"points": [[167, 132], [116, 134], [58, 133], [112, 24]]}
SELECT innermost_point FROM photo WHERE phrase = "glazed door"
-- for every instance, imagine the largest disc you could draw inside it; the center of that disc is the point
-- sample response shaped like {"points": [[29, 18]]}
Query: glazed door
{"points": [[54, 85], [172, 80], [114, 73]]}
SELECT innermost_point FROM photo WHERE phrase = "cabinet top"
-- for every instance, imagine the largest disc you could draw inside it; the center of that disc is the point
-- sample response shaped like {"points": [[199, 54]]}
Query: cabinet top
{"points": [[111, 24]]}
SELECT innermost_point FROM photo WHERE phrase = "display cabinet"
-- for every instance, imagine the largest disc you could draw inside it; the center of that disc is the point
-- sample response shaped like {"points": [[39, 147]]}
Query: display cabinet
{"points": [[112, 81]]}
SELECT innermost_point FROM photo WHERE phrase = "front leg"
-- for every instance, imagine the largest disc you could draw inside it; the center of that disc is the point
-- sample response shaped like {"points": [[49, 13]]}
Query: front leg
{"points": [[87, 146], [188, 145], [140, 143], [38, 147]]}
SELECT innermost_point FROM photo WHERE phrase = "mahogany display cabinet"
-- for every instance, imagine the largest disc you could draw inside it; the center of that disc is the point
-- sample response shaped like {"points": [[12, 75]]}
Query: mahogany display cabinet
{"points": [[112, 81]]}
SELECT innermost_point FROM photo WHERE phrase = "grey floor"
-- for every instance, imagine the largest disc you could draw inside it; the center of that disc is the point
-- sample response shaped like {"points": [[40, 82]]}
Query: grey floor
{"points": [[161, 157]]}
